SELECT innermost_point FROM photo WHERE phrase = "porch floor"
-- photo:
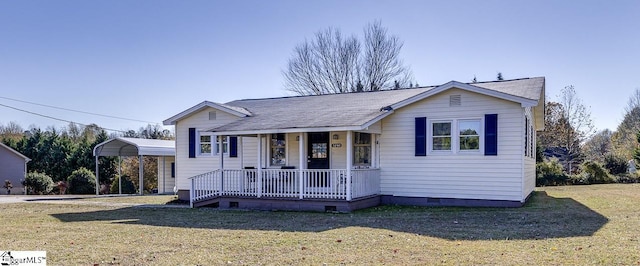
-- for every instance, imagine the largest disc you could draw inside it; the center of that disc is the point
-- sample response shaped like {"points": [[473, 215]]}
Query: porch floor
{"points": [[289, 204]]}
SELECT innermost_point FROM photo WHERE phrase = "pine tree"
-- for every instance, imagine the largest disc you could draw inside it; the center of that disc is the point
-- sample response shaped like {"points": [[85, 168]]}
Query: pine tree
{"points": [[499, 76]]}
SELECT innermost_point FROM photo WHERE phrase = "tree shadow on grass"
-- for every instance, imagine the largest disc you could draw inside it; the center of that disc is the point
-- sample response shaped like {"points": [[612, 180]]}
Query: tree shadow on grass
{"points": [[541, 218]]}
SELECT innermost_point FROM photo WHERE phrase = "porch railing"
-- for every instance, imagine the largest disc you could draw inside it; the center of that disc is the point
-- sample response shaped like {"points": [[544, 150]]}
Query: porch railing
{"points": [[285, 183]]}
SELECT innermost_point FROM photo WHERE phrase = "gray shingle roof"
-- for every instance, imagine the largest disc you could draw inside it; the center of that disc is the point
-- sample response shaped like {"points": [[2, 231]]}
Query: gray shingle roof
{"points": [[347, 109]]}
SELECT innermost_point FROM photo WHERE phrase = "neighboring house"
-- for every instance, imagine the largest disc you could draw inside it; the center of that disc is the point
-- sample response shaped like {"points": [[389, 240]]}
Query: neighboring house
{"points": [[453, 144], [13, 167]]}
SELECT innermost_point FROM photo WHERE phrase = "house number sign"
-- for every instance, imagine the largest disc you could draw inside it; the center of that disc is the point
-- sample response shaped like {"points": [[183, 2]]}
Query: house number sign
{"points": [[336, 145]]}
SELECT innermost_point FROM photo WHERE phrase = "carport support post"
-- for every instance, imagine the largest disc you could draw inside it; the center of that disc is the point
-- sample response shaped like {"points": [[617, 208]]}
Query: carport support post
{"points": [[140, 173], [120, 175], [97, 176]]}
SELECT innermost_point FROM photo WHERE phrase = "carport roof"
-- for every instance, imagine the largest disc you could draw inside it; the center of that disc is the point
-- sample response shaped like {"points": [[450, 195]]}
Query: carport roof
{"points": [[134, 147]]}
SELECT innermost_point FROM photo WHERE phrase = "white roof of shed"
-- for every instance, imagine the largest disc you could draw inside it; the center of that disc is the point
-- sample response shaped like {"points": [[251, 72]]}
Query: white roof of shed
{"points": [[134, 147]]}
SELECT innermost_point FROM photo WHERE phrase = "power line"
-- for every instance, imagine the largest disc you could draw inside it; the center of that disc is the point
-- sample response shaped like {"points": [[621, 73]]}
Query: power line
{"points": [[78, 111], [59, 119]]}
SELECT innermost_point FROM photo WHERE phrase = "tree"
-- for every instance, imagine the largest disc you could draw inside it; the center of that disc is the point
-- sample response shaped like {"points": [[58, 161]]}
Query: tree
{"points": [[499, 77], [598, 146], [623, 140], [11, 132], [474, 80], [568, 125], [333, 63]]}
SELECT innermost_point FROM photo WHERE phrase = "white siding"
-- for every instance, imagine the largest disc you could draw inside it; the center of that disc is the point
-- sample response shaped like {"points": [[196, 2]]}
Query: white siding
{"points": [[249, 151], [187, 167], [338, 154], [529, 177], [165, 181], [465, 176]]}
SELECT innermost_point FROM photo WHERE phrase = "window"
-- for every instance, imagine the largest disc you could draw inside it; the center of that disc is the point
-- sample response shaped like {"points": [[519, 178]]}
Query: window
{"points": [[456, 135], [205, 144], [529, 143], [208, 144], [362, 149], [441, 138], [469, 135], [278, 149], [225, 144]]}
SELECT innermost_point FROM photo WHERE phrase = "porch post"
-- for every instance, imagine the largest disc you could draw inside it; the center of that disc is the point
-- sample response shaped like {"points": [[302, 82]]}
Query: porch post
{"points": [[349, 162], [374, 151], [303, 163], [141, 174], [164, 184], [240, 153], [259, 166], [220, 147]]}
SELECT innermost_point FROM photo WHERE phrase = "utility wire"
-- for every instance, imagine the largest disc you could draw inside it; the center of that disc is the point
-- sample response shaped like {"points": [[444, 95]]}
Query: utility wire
{"points": [[78, 111], [59, 119]]}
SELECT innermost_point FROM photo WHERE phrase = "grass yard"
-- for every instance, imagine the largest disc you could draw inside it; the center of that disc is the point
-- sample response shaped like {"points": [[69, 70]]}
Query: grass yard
{"points": [[596, 224]]}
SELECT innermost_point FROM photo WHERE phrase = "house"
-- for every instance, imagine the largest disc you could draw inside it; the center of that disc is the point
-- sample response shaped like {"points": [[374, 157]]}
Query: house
{"points": [[455, 144], [13, 167]]}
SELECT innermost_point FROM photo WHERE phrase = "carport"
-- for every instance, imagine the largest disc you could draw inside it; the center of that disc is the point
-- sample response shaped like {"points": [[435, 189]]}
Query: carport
{"points": [[133, 147]]}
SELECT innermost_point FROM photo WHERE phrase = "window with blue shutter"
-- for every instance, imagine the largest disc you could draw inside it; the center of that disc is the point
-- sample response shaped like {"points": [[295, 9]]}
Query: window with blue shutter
{"points": [[233, 146], [491, 134], [421, 136], [192, 142]]}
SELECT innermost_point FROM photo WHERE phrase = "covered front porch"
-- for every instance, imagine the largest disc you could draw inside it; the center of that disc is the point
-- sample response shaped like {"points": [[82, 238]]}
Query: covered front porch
{"points": [[323, 170]]}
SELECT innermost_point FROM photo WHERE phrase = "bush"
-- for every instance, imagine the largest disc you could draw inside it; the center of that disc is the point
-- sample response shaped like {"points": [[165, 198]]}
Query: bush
{"points": [[615, 164], [628, 178], [38, 183], [81, 181], [593, 173], [127, 186], [549, 173]]}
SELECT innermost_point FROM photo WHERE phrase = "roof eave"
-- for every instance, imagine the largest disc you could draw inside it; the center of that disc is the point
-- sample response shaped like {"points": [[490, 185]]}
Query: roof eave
{"points": [[459, 85], [172, 120]]}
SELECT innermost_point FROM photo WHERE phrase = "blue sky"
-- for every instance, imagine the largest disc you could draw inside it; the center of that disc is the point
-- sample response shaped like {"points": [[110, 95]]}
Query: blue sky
{"points": [[149, 60]]}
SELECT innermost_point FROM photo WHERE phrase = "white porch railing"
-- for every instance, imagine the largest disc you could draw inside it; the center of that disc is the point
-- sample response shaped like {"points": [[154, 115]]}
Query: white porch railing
{"points": [[285, 183]]}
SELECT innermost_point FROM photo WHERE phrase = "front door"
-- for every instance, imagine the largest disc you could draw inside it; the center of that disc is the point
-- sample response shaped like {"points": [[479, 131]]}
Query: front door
{"points": [[318, 158], [318, 150]]}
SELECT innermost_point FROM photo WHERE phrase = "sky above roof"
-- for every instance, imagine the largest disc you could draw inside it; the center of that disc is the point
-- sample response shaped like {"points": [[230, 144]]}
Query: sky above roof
{"points": [[149, 60]]}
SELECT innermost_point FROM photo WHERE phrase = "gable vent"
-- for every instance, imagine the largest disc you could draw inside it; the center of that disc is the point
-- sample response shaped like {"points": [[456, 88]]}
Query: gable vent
{"points": [[212, 115], [455, 100]]}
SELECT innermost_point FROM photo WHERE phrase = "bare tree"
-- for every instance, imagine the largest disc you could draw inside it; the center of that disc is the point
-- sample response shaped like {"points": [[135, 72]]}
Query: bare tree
{"points": [[332, 63], [579, 126], [12, 130]]}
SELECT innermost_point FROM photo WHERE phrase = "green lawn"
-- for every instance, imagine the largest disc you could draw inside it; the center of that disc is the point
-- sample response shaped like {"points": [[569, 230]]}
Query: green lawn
{"points": [[580, 225]]}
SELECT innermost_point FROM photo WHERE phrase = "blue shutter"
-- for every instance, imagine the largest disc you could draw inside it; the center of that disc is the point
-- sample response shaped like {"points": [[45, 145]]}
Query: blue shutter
{"points": [[173, 169], [421, 136], [491, 134], [233, 146], [192, 142]]}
